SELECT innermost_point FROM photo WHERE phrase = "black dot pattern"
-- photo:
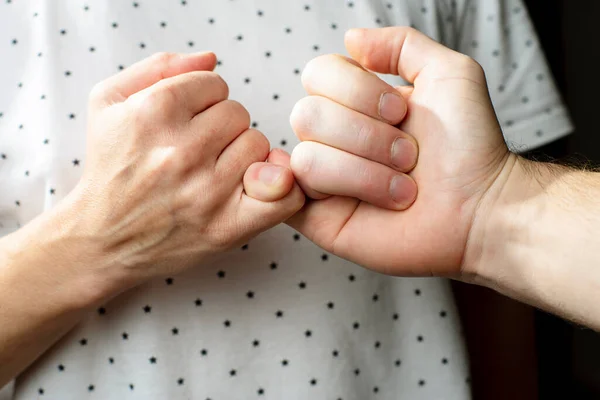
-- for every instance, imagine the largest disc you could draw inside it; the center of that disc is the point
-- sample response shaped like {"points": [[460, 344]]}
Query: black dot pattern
{"points": [[277, 317]]}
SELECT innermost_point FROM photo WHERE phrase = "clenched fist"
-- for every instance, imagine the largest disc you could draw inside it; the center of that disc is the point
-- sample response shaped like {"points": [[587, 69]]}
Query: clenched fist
{"points": [[360, 155], [167, 160]]}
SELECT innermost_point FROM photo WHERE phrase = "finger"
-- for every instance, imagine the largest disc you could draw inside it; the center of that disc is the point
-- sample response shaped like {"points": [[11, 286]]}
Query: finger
{"points": [[147, 72], [273, 212], [397, 50], [405, 91], [214, 129], [322, 221], [269, 181], [332, 171], [319, 119], [181, 97], [344, 82], [281, 157], [262, 215], [249, 147]]}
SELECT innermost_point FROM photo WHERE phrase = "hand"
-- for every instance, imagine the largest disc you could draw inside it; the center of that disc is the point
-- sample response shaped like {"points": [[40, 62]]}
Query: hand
{"points": [[461, 154], [351, 147], [167, 159]]}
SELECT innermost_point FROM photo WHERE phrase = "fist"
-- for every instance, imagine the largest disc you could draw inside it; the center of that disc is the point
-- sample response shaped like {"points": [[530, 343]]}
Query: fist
{"points": [[350, 143], [168, 155], [354, 153]]}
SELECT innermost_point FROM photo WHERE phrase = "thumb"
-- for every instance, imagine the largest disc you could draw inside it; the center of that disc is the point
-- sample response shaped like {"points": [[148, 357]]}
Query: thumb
{"points": [[400, 51], [269, 181]]}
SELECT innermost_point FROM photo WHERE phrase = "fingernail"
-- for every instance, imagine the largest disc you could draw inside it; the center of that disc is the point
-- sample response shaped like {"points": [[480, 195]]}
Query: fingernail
{"points": [[403, 154], [269, 174], [391, 107], [402, 190]]}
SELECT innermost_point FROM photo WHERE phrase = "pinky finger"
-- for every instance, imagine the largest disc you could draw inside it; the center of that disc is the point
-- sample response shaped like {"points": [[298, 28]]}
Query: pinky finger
{"points": [[268, 182], [262, 214], [405, 91]]}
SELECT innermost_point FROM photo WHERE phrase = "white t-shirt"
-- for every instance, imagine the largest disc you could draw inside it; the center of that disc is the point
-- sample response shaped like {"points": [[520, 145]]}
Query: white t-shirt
{"points": [[278, 318]]}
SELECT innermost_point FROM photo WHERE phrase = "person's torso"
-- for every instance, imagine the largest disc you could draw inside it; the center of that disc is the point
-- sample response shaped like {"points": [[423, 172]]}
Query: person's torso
{"points": [[277, 318]]}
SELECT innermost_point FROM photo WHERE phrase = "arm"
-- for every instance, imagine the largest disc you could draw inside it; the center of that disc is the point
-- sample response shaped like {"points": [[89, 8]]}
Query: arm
{"points": [[44, 290], [483, 215], [493, 322], [540, 239], [152, 206]]}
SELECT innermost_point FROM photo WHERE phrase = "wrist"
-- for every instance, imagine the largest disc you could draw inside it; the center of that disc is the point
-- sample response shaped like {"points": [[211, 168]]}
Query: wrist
{"points": [[51, 255], [492, 221], [537, 238], [503, 237]]}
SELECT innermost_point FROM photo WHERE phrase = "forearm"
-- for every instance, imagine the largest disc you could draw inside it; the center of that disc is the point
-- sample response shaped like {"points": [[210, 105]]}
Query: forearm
{"points": [[45, 289], [541, 243]]}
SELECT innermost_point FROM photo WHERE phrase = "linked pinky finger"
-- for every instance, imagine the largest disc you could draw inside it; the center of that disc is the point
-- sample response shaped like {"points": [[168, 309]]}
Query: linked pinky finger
{"points": [[281, 157], [262, 209], [268, 182]]}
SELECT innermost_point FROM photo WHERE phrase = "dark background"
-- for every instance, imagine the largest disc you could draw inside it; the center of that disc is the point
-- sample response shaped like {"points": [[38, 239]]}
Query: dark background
{"points": [[569, 355]]}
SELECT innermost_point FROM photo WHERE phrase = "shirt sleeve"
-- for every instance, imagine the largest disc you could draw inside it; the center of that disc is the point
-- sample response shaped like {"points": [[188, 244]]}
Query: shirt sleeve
{"points": [[499, 34]]}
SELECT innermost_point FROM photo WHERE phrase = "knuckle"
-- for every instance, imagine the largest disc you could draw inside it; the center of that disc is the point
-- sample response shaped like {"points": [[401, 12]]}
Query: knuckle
{"points": [[98, 91], [302, 161], [307, 74], [168, 95], [259, 145], [162, 58], [158, 102], [222, 84], [236, 110], [190, 156], [207, 131], [369, 180], [304, 116], [158, 164], [328, 59], [163, 160], [365, 133], [217, 81], [313, 70], [467, 63]]}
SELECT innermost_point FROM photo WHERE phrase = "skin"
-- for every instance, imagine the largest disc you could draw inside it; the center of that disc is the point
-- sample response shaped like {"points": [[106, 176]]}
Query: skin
{"points": [[459, 157], [482, 214], [348, 150], [168, 182]]}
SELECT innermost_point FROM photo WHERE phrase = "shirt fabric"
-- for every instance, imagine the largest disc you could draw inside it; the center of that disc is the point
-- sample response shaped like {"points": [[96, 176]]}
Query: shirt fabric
{"points": [[278, 318]]}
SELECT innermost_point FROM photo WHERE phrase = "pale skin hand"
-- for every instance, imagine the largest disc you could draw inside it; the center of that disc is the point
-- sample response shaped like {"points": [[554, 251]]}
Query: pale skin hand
{"points": [[482, 214], [459, 158], [172, 191], [173, 175], [355, 158]]}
